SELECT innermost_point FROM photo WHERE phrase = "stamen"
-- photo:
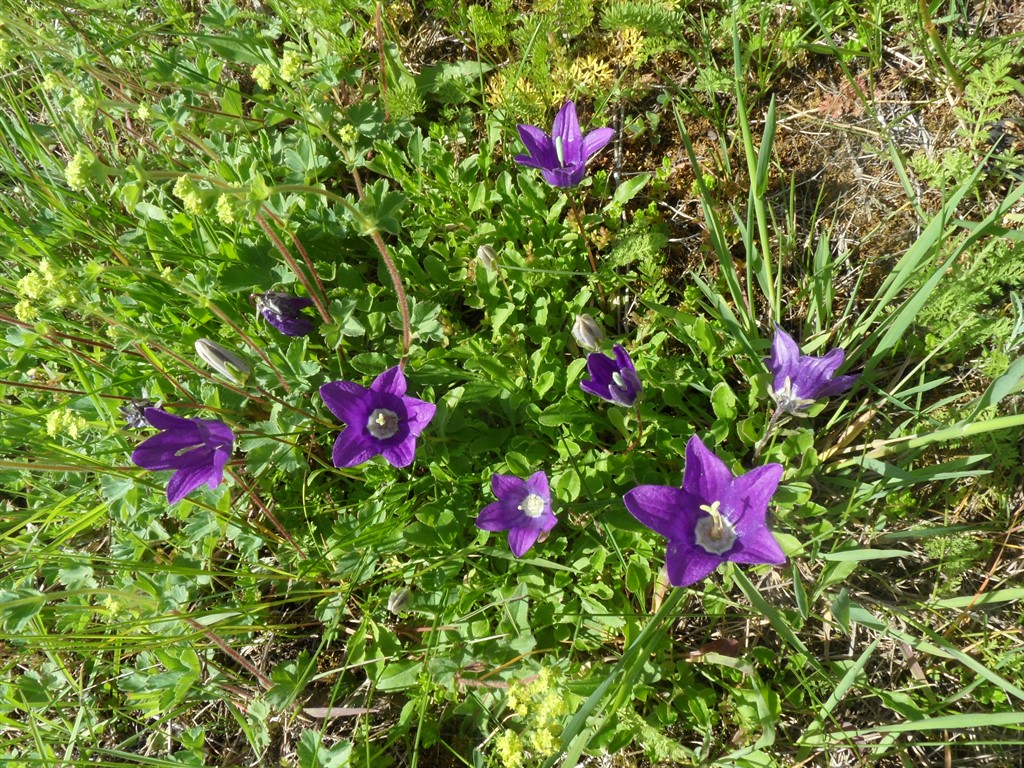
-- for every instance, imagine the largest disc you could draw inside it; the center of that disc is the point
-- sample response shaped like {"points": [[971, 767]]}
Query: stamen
{"points": [[382, 424], [560, 151], [714, 534], [532, 506]]}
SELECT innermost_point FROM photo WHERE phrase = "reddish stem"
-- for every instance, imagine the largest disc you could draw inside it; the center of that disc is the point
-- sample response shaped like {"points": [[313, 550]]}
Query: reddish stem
{"points": [[294, 266]]}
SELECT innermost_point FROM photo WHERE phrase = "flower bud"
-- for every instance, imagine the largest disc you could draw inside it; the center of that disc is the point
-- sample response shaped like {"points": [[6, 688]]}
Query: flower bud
{"points": [[225, 362], [398, 599], [587, 332], [487, 257], [134, 412]]}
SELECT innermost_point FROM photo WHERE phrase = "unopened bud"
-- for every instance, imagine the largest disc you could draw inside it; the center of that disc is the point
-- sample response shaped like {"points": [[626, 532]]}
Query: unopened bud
{"points": [[398, 599], [225, 362], [587, 332], [487, 257]]}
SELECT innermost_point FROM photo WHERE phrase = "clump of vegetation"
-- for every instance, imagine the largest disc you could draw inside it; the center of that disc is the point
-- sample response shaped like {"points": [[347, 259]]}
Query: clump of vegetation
{"points": [[309, 457]]}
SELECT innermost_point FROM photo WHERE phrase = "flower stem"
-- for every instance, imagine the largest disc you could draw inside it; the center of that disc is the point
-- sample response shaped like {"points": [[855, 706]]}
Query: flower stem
{"points": [[305, 256], [776, 421], [251, 493], [639, 429], [403, 304], [294, 266], [590, 253]]}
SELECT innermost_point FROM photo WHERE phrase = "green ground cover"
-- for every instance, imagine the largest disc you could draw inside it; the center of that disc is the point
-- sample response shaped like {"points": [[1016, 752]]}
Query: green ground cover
{"points": [[306, 592]]}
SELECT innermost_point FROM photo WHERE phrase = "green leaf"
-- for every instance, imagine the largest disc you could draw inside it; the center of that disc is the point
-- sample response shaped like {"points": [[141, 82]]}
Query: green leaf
{"points": [[19, 606], [629, 189]]}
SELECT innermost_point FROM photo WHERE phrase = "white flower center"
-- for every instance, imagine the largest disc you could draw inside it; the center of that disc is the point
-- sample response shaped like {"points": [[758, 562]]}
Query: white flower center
{"points": [[532, 506], [560, 151], [788, 401], [714, 533], [382, 423], [617, 380]]}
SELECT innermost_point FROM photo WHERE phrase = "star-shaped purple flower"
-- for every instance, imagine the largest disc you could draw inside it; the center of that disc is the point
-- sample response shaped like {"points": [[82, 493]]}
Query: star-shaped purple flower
{"points": [[713, 518], [799, 379], [614, 380], [284, 312], [381, 420], [562, 157], [523, 509], [196, 449]]}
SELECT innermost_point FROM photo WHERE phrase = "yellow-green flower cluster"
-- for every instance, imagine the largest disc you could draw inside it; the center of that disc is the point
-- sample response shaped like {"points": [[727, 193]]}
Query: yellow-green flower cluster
{"points": [[82, 108], [226, 209], [44, 283], [77, 172], [190, 198], [262, 73], [64, 421], [291, 66], [541, 704]]}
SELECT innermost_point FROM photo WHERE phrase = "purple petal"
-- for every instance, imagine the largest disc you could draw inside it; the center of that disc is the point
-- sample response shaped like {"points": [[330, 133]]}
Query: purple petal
{"points": [[625, 362], [705, 476], [546, 521], [289, 325], [539, 145], [500, 515], [838, 385], [595, 141], [521, 539], [418, 414], [348, 401], [184, 481], [756, 548], [687, 564], [400, 454], [784, 358], [528, 161], [163, 420], [601, 369], [392, 381], [567, 128], [219, 434], [538, 484], [221, 457], [566, 177], [509, 487], [745, 504], [665, 510], [167, 450], [353, 447]]}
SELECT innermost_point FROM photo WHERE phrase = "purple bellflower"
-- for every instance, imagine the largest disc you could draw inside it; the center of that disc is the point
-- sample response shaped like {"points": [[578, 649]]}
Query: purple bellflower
{"points": [[284, 312], [799, 379], [523, 509], [614, 380], [196, 449], [562, 157], [713, 518], [380, 420]]}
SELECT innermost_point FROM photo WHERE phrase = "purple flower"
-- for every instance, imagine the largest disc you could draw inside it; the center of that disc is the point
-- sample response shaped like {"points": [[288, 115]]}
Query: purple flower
{"points": [[612, 380], [523, 509], [381, 420], [197, 449], [284, 312], [562, 157], [801, 379], [713, 518]]}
